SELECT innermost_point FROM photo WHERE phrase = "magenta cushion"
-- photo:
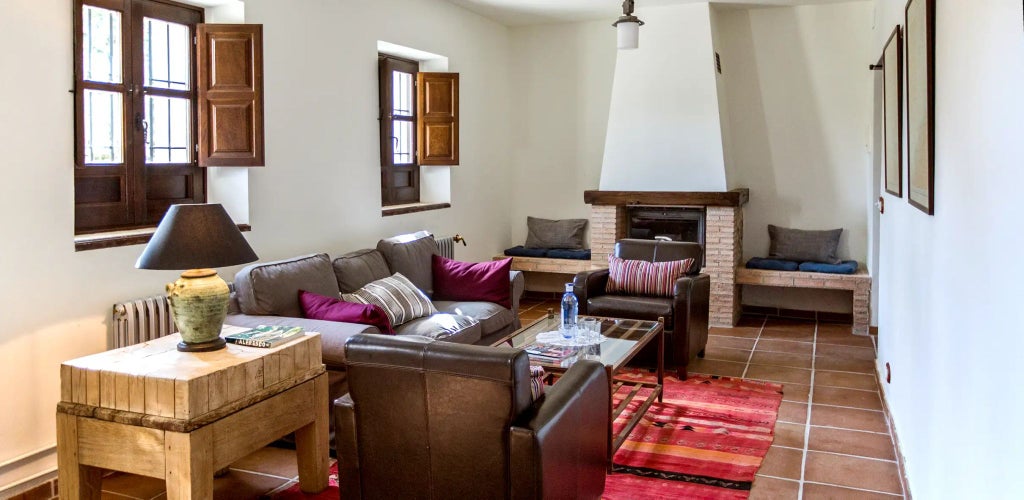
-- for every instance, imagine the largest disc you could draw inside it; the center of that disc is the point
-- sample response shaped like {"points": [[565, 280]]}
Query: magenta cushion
{"points": [[472, 281], [316, 306], [639, 277]]}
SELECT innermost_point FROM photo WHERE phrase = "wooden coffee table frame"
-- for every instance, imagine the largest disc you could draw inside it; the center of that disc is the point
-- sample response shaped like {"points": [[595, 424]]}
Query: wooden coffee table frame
{"points": [[614, 385], [185, 453]]}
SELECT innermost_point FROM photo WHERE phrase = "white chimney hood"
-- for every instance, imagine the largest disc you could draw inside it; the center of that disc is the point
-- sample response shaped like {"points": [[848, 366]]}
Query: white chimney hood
{"points": [[664, 126]]}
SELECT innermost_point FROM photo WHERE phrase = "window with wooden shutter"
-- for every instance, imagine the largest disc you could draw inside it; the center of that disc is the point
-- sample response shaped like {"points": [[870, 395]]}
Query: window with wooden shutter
{"points": [[135, 113], [230, 95], [437, 132], [399, 170], [137, 118]]}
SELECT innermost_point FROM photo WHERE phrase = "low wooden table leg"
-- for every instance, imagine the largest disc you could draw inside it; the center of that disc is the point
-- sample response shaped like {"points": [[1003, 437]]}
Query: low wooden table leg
{"points": [[74, 481], [189, 464], [661, 358], [611, 421], [312, 443]]}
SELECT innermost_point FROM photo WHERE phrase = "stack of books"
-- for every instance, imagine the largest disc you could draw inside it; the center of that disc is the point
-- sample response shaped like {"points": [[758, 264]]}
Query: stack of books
{"points": [[265, 336]]}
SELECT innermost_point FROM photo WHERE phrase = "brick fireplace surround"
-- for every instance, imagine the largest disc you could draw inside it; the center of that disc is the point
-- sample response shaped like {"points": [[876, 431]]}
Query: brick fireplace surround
{"points": [[723, 236]]}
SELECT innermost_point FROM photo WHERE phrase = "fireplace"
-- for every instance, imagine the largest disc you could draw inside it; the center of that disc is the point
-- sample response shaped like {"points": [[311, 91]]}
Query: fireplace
{"points": [[666, 223], [660, 214]]}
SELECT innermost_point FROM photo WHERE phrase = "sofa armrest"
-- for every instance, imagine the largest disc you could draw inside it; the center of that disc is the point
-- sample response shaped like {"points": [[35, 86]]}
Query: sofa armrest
{"points": [[589, 284], [559, 449], [517, 283], [347, 446], [690, 324], [333, 334]]}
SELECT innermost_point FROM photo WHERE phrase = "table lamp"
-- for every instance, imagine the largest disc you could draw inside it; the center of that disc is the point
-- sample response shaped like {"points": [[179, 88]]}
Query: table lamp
{"points": [[197, 238]]}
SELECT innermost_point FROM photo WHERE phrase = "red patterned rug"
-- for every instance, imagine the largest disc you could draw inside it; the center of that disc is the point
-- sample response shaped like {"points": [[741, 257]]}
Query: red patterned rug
{"points": [[705, 441]]}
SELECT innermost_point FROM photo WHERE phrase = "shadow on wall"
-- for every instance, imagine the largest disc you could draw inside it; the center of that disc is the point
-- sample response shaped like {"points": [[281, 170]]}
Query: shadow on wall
{"points": [[780, 147]]}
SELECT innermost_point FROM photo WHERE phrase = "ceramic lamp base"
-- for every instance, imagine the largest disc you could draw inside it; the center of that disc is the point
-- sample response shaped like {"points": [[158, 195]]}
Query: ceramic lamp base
{"points": [[199, 304], [212, 345]]}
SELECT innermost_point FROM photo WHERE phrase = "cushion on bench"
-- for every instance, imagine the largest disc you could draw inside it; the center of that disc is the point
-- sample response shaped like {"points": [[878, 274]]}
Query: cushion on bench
{"points": [[551, 253], [562, 253], [844, 267], [772, 264], [521, 251]]}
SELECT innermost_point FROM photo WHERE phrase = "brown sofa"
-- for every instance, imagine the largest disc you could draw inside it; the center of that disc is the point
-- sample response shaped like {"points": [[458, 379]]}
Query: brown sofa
{"points": [[685, 313], [427, 419], [266, 293]]}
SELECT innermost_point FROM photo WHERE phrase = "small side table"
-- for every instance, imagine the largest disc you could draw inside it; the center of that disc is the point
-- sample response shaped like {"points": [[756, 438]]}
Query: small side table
{"points": [[149, 409]]}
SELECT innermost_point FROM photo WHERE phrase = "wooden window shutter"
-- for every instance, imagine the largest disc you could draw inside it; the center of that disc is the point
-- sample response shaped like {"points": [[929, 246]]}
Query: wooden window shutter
{"points": [[230, 84], [437, 128]]}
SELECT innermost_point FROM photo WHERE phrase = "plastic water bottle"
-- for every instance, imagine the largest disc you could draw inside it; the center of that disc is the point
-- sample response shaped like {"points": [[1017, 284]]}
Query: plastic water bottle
{"points": [[570, 306]]}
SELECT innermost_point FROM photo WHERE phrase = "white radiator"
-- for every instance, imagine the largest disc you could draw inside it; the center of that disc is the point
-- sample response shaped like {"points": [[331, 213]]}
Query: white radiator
{"points": [[141, 320], [447, 245]]}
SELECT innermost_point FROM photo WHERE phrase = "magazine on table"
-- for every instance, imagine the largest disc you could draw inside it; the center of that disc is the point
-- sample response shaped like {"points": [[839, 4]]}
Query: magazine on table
{"points": [[265, 336], [549, 352]]}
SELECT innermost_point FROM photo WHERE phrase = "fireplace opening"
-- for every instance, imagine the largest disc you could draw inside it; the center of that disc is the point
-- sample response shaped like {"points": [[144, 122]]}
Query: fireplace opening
{"points": [[666, 223]]}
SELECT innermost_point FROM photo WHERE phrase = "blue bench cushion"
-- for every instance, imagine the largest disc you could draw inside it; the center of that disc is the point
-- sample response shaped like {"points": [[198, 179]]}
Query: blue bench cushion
{"points": [[844, 267], [521, 251], [553, 253], [562, 253], [772, 264]]}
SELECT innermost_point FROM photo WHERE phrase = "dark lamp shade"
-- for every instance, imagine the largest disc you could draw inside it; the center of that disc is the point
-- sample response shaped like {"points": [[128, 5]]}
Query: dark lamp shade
{"points": [[194, 237]]}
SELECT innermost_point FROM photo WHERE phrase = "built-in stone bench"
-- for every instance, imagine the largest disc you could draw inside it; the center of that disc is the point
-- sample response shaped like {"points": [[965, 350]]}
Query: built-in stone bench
{"points": [[859, 283], [544, 274]]}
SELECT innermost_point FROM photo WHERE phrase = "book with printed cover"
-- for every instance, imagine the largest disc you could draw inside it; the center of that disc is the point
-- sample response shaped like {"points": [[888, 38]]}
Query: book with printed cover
{"points": [[265, 336]]}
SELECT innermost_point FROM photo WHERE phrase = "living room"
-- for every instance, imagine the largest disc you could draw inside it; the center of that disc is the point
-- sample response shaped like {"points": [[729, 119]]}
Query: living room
{"points": [[541, 91]]}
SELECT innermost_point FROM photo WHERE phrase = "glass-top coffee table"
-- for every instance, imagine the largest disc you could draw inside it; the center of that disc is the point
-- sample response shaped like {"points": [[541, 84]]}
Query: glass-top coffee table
{"points": [[622, 340]]}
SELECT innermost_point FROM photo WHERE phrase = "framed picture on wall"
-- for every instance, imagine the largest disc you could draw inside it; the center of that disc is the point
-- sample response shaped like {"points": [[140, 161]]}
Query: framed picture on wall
{"points": [[920, 37], [892, 95]]}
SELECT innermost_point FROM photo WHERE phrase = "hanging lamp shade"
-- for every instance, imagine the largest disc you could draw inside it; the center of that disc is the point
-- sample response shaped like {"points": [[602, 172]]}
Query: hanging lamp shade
{"points": [[628, 27]]}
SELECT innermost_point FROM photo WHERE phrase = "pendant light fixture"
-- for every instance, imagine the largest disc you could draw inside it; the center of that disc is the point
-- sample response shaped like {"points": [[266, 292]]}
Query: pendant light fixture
{"points": [[628, 27]]}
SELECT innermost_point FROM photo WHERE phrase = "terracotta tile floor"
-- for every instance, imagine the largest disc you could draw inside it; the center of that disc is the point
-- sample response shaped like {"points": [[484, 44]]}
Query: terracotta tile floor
{"points": [[831, 441]]}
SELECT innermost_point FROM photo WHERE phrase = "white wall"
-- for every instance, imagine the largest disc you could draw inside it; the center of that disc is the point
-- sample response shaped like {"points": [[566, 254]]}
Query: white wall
{"points": [[562, 80], [949, 286], [319, 191], [799, 104], [664, 130]]}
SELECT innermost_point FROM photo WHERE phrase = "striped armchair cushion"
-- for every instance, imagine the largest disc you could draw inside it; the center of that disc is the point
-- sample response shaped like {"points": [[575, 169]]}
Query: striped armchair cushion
{"points": [[639, 277], [397, 296]]}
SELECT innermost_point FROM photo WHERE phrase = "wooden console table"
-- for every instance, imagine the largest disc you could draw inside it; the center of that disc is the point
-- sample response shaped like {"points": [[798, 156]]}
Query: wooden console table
{"points": [[149, 409]]}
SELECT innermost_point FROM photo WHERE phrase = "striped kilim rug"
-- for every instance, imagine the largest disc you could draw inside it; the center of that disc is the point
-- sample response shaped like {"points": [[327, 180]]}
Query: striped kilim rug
{"points": [[706, 440]]}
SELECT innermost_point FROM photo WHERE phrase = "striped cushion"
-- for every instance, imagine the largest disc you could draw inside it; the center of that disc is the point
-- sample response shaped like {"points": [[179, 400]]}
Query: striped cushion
{"points": [[397, 296], [639, 277], [537, 375]]}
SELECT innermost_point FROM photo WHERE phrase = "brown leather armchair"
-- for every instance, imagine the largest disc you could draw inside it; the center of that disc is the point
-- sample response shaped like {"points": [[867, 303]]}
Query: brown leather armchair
{"points": [[426, 419], [685, 313]]}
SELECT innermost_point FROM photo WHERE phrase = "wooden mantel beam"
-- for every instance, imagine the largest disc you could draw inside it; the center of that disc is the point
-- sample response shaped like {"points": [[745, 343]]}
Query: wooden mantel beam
{"points": [[732, 198]]}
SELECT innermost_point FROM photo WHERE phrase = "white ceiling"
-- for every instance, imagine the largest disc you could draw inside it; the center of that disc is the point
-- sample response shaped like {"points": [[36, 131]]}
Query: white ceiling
{"points": [[525, 12]]}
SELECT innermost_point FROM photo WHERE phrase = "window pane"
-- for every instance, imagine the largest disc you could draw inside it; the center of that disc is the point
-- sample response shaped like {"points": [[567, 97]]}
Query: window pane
{"points": [[165, 54], [101, 44], [402, 141], [168, 134], [104, 135], [401, 93]]}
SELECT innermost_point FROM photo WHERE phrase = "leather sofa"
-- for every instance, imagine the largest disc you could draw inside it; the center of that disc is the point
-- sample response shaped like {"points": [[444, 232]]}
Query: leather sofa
{"points": [[685, 312], [266, 293], [428, 419]]}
